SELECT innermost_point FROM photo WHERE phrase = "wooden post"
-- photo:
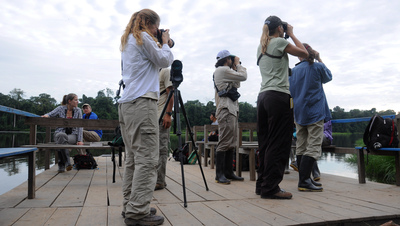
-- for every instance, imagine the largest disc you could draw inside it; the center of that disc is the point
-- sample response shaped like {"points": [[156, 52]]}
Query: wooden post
{"points": [[47, 152], [31, 175], [32, 134], [361, 166]]}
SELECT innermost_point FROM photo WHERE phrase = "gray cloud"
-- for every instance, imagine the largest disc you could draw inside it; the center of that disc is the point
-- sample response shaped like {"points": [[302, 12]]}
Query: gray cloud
{"points": [[73, 46]]}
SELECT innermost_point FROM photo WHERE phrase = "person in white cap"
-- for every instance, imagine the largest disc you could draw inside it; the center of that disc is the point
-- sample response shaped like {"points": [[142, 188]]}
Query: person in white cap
{"points": [[227, 77]]}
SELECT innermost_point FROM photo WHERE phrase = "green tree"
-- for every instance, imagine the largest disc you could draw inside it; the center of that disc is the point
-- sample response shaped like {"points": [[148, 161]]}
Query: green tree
{"points": [[17, 94]]}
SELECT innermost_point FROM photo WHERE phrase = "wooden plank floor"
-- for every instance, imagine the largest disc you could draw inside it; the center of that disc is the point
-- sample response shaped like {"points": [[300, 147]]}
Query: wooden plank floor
{"points": [[88, 197]]}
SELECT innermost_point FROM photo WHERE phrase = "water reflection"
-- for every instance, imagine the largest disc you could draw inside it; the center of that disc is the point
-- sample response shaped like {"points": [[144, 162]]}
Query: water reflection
{"points": [[331, 163]]}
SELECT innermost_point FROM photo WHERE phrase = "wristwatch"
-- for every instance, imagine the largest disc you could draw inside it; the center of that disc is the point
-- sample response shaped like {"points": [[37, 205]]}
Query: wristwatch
{"points": [[169, 113]]}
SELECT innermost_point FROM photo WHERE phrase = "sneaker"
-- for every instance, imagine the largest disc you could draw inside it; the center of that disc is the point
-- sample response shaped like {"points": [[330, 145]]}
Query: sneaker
{"points": [[153, 211], [282, 194], [61, 168], [147, 220], [69, 167]]}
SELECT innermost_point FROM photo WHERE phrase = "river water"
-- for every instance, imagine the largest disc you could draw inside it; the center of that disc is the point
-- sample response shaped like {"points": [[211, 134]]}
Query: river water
{"points": [[14, 170]]}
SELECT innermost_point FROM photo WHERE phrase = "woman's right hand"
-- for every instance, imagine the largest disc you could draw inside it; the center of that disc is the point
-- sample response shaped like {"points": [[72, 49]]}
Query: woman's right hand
{"points": [[165, 36], [289, 30], [45, 116]]}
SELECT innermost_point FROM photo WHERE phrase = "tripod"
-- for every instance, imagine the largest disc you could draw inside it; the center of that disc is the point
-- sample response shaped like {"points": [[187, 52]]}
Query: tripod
{"points": [[177, 124]]}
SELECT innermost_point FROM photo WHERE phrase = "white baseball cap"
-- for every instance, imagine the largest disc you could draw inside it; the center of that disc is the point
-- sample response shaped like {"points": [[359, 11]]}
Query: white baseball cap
{"points": [[224, 53]]}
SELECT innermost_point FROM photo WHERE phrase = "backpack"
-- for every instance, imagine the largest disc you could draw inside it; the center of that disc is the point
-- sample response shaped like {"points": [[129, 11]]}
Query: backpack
{"points": [[192, 158], [185, 154], [381, 133], [84, 162], [117, 141]]}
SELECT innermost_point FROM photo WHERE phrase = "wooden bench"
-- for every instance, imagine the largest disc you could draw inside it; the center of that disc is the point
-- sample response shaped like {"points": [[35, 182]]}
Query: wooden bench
{"points": [[200, 144], [209, 146], [7, 152], [87, 124], [361, 151], [246, 147]]}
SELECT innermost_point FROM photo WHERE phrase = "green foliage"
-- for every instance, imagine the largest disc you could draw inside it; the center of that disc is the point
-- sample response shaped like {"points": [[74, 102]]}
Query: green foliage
{"points": [[106, 107], [354, 127], [378, 168]]}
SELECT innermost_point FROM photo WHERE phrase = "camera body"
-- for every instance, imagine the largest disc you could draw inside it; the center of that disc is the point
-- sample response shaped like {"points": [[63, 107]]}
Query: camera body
{"points": [[284, 25], [159, 37], [223, 93]]}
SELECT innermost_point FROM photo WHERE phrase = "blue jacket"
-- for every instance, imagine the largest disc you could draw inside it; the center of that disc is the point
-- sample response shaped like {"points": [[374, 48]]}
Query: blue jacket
{"points": [[310, 104], [93, 115]]}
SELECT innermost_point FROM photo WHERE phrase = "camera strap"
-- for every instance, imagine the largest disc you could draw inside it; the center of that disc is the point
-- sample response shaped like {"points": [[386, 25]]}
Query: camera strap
{"points": [[216, 85], [272, 56]]}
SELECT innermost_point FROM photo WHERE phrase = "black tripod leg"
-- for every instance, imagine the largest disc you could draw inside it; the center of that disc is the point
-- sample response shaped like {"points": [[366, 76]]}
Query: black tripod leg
{"points": [[120, 156], [179, 133], [191, 138], [113, 160]]}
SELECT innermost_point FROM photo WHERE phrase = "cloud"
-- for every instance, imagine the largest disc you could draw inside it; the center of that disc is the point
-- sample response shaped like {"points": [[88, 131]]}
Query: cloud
{"points": [[57, 47]]}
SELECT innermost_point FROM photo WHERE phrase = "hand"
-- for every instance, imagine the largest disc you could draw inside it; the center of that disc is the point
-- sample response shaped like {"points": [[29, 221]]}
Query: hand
{"points": [[237, 60], [289, 30], [165, 36], [317, 55], [79, 143], [167, 121], [45, 116]]}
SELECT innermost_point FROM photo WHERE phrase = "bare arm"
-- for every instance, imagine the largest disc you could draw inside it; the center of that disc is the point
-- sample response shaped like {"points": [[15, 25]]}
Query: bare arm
{"points": [[298, 49], [167, 118]]}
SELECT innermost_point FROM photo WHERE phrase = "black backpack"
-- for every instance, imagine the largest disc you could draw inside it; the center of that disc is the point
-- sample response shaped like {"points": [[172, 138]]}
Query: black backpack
{"points": [[117, 141], [85, 162], [381, 133], [185, 154]]}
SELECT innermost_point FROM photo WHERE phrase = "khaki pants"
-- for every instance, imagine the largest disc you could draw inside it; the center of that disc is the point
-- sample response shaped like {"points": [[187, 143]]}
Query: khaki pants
{"points": [[309, 139], [139, 128], [162, 161], [227, 127], [90, 136]]}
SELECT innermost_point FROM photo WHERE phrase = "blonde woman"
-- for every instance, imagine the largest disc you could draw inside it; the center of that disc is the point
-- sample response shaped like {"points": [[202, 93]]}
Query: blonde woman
{"points": [[68, 109], [142, 57], [274, 106]]}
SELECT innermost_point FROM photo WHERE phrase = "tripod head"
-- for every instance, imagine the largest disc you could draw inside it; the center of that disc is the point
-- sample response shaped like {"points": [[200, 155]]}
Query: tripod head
{"points": [[176, 73]]}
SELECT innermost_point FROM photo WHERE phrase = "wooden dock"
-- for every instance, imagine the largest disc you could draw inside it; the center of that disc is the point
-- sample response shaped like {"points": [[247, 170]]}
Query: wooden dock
{"points": [[88, 197]]}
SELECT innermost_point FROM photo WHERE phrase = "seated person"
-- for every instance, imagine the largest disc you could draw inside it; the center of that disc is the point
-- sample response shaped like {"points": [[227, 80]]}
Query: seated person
{"points": [[68, 109], [327, 140], [90, 135], [213, 135]]}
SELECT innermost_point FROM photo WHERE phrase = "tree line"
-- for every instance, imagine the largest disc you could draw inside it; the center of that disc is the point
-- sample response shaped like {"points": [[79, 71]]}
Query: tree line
{"points": [[106, 107]]}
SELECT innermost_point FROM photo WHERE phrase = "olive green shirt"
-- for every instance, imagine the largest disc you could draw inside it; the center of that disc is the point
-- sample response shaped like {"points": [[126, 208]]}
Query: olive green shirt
{"points": [[274, 71]]}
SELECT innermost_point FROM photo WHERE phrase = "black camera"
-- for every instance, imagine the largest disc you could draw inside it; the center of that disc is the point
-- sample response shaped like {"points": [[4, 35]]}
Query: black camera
{"points": [[159, 37], [176, 73], [284, 25]]}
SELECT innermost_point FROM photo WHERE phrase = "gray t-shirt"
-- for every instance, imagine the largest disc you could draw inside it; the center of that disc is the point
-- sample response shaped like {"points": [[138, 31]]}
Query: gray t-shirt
{"points": [[274, 71]]}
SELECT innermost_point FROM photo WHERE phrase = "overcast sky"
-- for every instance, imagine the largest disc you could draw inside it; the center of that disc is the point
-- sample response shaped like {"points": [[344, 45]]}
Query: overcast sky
{"points": [[57, 47]]}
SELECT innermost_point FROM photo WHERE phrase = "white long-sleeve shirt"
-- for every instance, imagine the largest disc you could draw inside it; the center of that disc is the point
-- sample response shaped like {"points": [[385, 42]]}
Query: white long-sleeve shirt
{"points": [[141, 64]]}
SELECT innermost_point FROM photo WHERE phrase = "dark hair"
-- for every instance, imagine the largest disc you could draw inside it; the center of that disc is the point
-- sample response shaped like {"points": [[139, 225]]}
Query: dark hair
{"points": [[68, 97], [221, 62], [311, 54], [213, 114]]}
